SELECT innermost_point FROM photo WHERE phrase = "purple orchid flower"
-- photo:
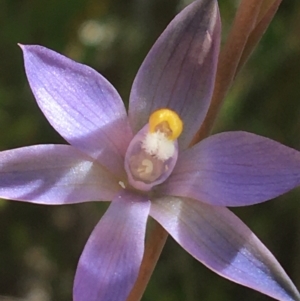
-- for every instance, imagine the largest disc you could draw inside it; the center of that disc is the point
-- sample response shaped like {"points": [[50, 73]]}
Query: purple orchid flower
{"points": [[139, 164]]}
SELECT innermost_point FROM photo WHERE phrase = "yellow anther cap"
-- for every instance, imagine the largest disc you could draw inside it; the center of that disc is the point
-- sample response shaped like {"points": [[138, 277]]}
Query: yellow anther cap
{"points": [[167, 122]]}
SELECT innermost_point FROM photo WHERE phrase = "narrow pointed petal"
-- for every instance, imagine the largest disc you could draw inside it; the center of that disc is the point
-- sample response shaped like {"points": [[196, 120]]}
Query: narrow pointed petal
{"points": [[235, 169], [179, 71], [53, 174], [222, 242], [110, 262], [80, 104]]}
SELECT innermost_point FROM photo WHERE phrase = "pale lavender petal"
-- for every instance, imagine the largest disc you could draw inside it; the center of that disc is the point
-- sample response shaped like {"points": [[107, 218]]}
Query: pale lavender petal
{"points": [[235, 169], [110, 262], [54, 174], [222, 242], [179, 71], [80, 104]]}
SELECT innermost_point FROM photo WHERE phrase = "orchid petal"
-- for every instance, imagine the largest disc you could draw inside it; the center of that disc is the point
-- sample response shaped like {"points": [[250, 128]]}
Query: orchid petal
{"points": [[53, 174], [80, 104], [179, 71], [235, 169], [110, 262], [218, 239]]}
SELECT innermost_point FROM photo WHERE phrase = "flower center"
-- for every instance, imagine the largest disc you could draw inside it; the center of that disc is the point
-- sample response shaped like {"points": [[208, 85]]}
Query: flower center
{"points": [[152, 153]]}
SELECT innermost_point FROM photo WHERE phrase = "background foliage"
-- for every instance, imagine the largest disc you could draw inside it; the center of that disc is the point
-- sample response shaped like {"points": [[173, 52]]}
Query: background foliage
{"points": [[40, 245]]}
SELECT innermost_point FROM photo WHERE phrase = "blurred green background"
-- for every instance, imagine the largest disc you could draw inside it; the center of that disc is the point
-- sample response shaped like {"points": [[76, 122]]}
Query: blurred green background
{"points": [[40, 245]]}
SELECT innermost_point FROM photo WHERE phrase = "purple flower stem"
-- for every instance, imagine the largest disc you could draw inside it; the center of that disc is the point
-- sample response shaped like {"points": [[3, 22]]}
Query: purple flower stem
{"points": [[153, 248], [263, 22], [234, 54], [244, 23]]}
